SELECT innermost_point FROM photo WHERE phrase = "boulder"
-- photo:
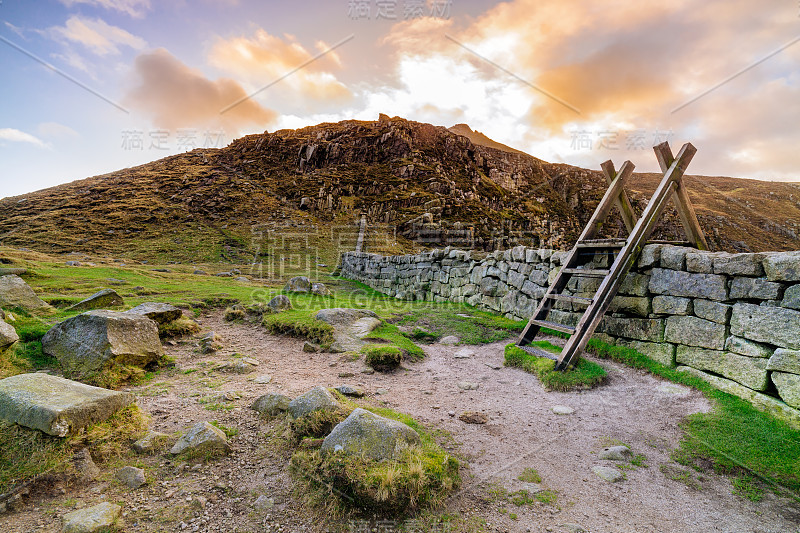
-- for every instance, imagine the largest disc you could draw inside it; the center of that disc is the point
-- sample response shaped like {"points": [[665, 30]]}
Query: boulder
{"points": [[55, 405], [159, 312], [91, 519], [298, 284], [349, 327], [271, 404], [8, 335], [320, 289], [99, 300], [202, 438], [615, 453], [368, 435], [318, 398], [279, 303], [131, 477], [96, 340], [782, 266], [607, 473], [14, 292]]}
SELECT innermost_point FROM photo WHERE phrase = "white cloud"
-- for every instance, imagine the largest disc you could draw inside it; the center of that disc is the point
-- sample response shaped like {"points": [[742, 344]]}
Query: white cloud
{"points": [[10, 134], [96, 35], [54, 130], [134, 8]]}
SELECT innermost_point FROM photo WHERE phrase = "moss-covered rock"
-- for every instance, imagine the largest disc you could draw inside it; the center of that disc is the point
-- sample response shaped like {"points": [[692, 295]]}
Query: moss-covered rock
{"points": [[369, 435]]}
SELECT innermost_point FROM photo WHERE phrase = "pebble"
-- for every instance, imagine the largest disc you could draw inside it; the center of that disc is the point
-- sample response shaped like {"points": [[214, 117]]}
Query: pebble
{"points": [[616, 453], [382, 391], [263, 380], [467, 385], [612, 475], [450, 340], [464, 353], [562, 410], [494, 366]]}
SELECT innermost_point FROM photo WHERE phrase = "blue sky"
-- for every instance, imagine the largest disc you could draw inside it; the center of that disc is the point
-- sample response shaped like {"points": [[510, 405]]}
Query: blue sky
{"points": [[574, 82]]}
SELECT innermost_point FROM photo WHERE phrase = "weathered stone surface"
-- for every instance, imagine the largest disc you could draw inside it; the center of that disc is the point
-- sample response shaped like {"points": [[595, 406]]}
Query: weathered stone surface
{"points": [[607, 473], [754, 289], [298, 284], [634, 305], [673, 257], [642, 329], [340, 315], [700, 262], [713, 311], [672, 305], [783, 266], [202, 438], [693, 331], [319, 289], [366, 434], [749, 371], [318, 398], [131, 477], [673, 283], [791, 298], [271, 404], [785, 361], [788, 386], [563, 410], [8, 335], [15, 292], [55, 405], [99, 300], [152, 442], [85, 466], [350, 326], [89, 343], [159, 312], [279, 303], [774, 325], [746, 347], [661, 352], [91, 519], [635, 284], [765, 403], [738, 264], [349, 390], [650, 256], [615, 453]]}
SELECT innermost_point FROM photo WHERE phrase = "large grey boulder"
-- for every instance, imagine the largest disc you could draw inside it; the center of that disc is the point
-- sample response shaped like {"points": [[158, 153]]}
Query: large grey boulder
{"points": [[92, 342], [202, 438], [298, 284], [159, 312], [55, 405], [349, 327], [8, 335], [99, 300], [318, 398], [271, 404], [15, 292], [91, 519], [366, 434]]}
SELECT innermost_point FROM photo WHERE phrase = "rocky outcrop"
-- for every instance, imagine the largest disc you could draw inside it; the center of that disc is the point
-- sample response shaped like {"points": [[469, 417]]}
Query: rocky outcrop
{"points": [[366, 434], [349, 327], [14, 292], [160, 313]]}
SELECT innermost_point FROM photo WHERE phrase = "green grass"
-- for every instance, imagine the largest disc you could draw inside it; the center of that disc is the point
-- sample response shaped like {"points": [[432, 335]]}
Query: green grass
{"points": [[480, 327], [530, 475], [382, 356], [735, 437], [584, 375]]}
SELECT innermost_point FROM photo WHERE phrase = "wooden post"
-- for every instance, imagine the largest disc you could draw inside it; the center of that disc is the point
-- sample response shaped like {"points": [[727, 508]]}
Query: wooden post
{"points": [[622, 202]]}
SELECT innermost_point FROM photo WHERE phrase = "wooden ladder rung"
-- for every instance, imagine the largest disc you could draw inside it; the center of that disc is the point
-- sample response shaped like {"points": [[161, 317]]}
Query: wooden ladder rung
{"points": [[587, 272], [538, 352], [601, 243], [554, 325], [571, 299], [674, 243]]}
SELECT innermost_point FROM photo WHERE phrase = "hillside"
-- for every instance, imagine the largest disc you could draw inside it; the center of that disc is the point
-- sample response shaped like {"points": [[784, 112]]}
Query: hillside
{"points": [[419, 185]]}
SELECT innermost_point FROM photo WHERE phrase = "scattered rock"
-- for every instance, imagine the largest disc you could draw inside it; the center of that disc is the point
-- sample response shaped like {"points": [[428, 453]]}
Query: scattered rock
{"points": [[612, 475], [366, 434], [381, 391], [616, 453], [73, 263], [8, 335], [210, 342], [467, 385], [562, 410], [91, 519], [473, 417], [238, 367], [263, 380], [200, 273], [224, 274], [161, 313], [152, 442], [55, 405], [241, 279], [316, 399], [573, 528], [494, 366], [271, 404], [14, 292], [464, 353], [279, 303], [298, 284], [131, 476], [320, 289], [450, 340], [202, 438], [310, 347], [263, 503], [84, 465], [99, 300], [349, 390], [95, 341], [162, 270], [368, 370]]}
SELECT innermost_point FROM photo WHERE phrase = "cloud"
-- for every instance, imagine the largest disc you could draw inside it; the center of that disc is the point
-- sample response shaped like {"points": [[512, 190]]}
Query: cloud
{"points": [[12, 135], [54, 130], [266, 58], [95, 34], [176, 96], [134, 8]]}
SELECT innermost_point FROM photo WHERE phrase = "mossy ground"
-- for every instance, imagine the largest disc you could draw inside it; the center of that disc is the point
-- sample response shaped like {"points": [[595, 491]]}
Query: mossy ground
{"points": [[584, 375]]}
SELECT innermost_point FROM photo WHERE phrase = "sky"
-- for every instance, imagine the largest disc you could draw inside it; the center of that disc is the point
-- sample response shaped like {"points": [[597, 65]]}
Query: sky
{"points": [[93, 86]]}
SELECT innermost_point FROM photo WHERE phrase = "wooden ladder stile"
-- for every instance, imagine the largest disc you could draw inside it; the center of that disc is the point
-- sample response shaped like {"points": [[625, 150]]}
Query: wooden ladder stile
{"points": [[627, 251]]}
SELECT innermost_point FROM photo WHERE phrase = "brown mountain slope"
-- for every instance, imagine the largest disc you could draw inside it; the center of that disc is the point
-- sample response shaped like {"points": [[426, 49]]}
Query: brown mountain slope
{"points": [[415, 182], [480, 139]]}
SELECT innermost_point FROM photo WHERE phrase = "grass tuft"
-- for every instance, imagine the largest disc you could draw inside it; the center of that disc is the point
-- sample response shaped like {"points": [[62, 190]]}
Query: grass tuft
{"points": [[584, 375], [382, 357]]}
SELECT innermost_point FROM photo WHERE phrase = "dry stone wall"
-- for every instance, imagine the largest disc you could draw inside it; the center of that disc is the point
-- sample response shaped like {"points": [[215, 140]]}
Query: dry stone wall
{"points": [[732, 319]]}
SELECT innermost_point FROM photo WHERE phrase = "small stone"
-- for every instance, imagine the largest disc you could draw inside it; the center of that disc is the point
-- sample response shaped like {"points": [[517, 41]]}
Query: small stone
{"points": [[85, 466], [150, 443], [131, 476], [573, 528], [263, 503], [450, 340], [494, 366], [263, 380], [451, 413], [464, 353], [612, 475], [349, 390], [473, 417], [381, 392], [562, 410], [616, 453], [310, 347], [467, 385], [202, 438], [250, 361], [368, 370], [91, 519]]}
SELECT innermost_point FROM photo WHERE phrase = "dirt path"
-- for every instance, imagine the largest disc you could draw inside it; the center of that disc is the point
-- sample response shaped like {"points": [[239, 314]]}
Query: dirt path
{"points": [[523, 431]]}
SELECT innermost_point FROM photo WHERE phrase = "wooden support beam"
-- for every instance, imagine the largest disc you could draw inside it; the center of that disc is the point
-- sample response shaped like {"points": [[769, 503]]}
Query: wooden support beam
{"points": [[622, 202]]}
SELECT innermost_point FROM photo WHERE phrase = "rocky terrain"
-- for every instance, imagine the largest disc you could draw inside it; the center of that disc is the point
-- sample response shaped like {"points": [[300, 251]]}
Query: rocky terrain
{"points": [[419, 184]]}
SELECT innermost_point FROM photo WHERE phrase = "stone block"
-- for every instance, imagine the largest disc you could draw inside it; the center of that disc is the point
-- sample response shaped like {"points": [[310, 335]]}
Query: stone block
{"points": [[634, 305], [785, 361], [660, 352], [791, 298], [711, 310], [782, 266], [672, 305], [788, 386], [634, 284], [738, 264], [745, 347], [754, 289], [674, 283], [749, 371], [643, 329], [650, 256], [700, 262], [693, 331], [673, 257], [773, 325]]}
